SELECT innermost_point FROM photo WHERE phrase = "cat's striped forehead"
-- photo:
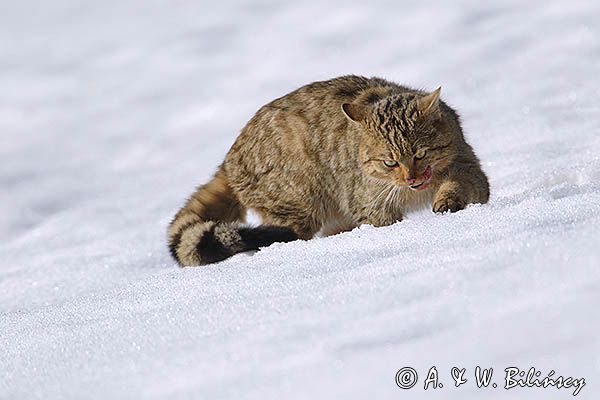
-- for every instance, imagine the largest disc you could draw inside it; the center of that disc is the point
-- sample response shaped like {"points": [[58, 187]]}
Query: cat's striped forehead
{"points": [[394, 118]]}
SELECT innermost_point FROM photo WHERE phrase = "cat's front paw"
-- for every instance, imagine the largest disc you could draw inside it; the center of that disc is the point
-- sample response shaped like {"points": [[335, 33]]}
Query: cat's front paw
{"points": [[450, 203]]}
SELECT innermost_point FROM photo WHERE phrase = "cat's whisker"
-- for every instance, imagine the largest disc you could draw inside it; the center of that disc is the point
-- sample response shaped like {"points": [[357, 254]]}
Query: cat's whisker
{"points": [[380, 196], [396, 197], [390, 197], [377, 203]]}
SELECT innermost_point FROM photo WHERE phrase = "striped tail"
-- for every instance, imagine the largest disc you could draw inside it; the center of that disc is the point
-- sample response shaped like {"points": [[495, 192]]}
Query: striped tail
{"points": [[208, 228]]}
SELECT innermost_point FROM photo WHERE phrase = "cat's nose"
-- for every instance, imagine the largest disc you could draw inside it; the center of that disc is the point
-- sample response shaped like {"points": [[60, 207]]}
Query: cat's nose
{"points": [[410, 181]]}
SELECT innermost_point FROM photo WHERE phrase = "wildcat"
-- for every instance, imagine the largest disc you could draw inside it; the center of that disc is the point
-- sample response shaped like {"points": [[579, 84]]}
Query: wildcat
{"points": [[326, 158]]}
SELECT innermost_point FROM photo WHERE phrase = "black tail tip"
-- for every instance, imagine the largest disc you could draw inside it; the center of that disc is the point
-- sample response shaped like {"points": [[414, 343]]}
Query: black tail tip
{"points": [[211, 248], [265, 235], [217, 246]]}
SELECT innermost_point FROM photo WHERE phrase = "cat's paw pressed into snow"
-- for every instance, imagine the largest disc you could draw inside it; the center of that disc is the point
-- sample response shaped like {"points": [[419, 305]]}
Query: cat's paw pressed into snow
{"points": [[450, 203]]}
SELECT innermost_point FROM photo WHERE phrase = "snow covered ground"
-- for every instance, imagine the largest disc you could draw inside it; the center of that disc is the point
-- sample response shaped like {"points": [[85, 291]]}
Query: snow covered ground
{"points": [[112, 112]]}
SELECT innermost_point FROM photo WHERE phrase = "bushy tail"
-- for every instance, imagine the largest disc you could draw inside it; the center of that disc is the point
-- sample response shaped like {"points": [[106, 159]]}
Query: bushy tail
{"points": [[207, 229]]}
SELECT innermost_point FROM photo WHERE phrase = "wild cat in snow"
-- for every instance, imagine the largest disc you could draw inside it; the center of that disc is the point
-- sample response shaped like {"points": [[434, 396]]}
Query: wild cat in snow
{"points": [[326, 158]]}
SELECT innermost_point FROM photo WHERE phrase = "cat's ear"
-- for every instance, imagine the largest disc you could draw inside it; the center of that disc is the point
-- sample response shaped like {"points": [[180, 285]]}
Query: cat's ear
{"points": [[430, 102], [356, 112]]}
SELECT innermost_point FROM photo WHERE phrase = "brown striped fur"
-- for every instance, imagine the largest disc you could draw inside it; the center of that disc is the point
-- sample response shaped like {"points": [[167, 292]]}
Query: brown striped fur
{"points": [[328, 157]]}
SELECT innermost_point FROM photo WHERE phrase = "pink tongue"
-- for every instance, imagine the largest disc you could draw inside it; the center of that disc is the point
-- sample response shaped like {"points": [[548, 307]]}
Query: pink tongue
{"points": [[427, 173]]}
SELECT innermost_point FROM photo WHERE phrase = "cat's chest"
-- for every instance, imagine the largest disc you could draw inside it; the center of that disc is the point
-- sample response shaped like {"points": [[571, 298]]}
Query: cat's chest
{"points": [[400, 199], [412, 200]]}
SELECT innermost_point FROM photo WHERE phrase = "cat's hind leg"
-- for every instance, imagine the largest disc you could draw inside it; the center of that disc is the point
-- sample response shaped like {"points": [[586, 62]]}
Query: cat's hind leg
{"points": [[303, 224], [208, 228]]}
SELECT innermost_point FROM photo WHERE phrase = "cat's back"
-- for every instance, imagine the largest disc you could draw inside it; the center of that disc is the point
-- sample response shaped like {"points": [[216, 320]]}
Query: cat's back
{"points": [[317, 106], [330, 94], [308, 113], [304, 127]]}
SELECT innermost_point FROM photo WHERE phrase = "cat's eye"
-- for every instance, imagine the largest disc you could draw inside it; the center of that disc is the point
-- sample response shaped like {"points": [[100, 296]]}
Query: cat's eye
{"points": [[420, 154], [390, 163]]}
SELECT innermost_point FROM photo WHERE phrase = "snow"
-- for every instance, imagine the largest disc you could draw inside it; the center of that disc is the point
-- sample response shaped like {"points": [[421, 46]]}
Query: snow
{"points": [[112, 112]]}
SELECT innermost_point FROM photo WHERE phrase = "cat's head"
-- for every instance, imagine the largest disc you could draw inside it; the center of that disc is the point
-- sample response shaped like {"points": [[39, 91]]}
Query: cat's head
{"points": [[406, 138]]}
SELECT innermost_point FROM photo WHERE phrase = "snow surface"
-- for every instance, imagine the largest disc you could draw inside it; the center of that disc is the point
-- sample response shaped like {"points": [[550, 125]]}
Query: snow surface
{"points": [[111, 112]]}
